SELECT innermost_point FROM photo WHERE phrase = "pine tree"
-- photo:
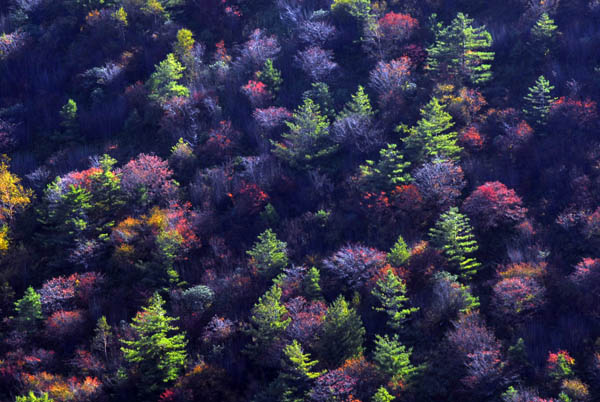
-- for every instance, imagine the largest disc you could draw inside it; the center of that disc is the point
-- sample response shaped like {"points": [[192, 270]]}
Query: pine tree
{"points": [[311, 285], [342, 335], [155, 357], [267, 323], [382, 395], [543, 37], [359, 105], [462, 51], [29, 311], [387, 173], [296, 372], [270, 76], [164, 82], [393, 359], [308, 140], [391, 293], [431, 139], [453, 234], [268, 255], [399, 254], [538, 101]]}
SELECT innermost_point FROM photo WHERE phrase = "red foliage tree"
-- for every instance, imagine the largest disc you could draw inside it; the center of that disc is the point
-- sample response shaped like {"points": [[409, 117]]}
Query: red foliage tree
{"points": [[516, 298], [307, 320], [257, 93], [493, 205], [355, 378], [63, 324], [572, 115], [471, 139], [149, 177]]}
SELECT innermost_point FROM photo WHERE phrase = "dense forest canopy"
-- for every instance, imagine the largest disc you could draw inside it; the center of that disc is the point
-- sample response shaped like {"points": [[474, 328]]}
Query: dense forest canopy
{"points": [[299, 200]]}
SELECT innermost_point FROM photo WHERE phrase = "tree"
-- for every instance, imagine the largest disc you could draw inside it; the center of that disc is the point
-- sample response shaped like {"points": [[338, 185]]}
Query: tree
{"points": [[270, 76], [453, 234], [387, 173], [359, 105], [103, 337], [184, 44], [353, 266], [393, 359], [311, 285], [317, 63], [538, 102], [155, 357], [31, 397], [267, 323], [391, 79], [493, 205], [69, 125], [431, 139], [164, 82], [440, 182], [543, 37], [399, 254], [461, 52], [13, 196], [382, 395], [359, 9], [342, 335], [391, 293], [450, 298], [383, 38], [308, 140], [29, 311], [268, 254]]}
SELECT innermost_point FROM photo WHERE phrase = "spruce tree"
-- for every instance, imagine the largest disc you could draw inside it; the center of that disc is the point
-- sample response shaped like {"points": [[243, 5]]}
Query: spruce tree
{"points": [[164, 82], [453, 234], [543, 37], [387, 173], [462, 51], [268, 255], [393, 359], [431, 138], [311, 284], [155, 357], [308, 141], [359, 105], [29, 311], [270, 76], [399, 253], [342, 335], [538, 101], [391, 293], [267, 323]]}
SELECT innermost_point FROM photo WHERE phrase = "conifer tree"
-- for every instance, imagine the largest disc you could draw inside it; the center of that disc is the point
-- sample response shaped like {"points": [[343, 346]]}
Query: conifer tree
{"points": [[270, 76], [359, 105], [267, 323], [462, 51], [29, 311], [382, 395], [31, 397], [342, 335], [431, 139], [296, 372], [164, 82], [269, 254], [538, 101], [387, 173], [155, 357], [399, 253], [391, 293], [543, 37], [308, 140], [453, 234], [393, 359], [311, 285]]}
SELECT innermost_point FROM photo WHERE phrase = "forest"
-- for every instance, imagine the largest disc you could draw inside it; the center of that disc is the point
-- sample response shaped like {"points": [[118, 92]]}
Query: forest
{"points": [[299, 200]]}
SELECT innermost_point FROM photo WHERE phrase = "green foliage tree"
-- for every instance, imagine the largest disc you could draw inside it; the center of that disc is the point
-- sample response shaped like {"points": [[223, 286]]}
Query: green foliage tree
{"points": [[155, 357], [453, 234], [431, 138], [68, 122], [270, 76], [399, 253], [393, 359], [390, 291], [184, 44], [342, 335], [31, 397], [538, 101], [311, 284], [359, 9], [461, 51], [164, 82], [103, 337], [29, 311], [267, 323], [543, 37], [308, 140], [320, 94], [382, 395], [359, 105], [387, 173], [268, 254]]}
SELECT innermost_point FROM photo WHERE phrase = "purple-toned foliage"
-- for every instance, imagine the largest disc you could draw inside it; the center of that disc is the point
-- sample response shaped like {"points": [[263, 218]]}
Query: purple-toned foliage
{"points": [[317, 63], [354, 266]]}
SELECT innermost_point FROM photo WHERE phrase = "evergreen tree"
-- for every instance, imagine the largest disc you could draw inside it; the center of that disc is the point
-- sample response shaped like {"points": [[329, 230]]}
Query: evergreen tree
{"points": [[387, 173], [311, 285], [308, 140], [382, 395], [342, 334], [29, 311], [393, 359], [461, 51], [296, 375], [320, 94], [267, 323], [453, 234], [164, 82], [155, 357], [391, 293], [270, 76], [359, 105], [543, 37], [31, 397], [68, 122], [431, 139], [538, 101], [399, 254], [268, 255]]}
